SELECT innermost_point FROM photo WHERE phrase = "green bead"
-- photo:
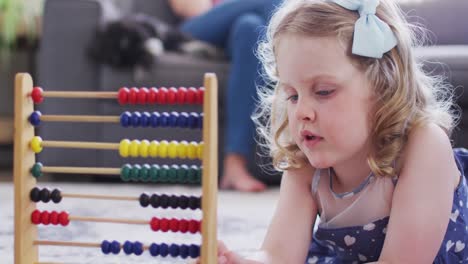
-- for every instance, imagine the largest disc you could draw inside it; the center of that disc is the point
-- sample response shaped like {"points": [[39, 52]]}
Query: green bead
{"points": [[182, 174], [36, 170], [199, 175], [154, 173], [144, 173], [194, 174], [125, 172], [172, 174], [135, 172], [163, 173]]}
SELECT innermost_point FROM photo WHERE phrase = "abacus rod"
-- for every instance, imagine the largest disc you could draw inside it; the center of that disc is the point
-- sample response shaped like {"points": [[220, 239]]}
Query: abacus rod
{"points": [[80, 145], [99, 197], [80, 118], [74, 94], [108, 220], [81, 170]]}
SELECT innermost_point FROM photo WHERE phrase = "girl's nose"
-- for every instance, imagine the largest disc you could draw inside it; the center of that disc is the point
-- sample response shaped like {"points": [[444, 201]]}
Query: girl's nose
{"points": [[304, 112]]}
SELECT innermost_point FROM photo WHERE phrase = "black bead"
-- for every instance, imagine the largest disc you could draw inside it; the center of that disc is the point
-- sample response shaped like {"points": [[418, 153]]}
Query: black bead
{"points": [[155, 201], [56, 196], [35, 194], [193, 203], [144, 200], [45, 195], [173, 202], [183, 202], [164, 201]]}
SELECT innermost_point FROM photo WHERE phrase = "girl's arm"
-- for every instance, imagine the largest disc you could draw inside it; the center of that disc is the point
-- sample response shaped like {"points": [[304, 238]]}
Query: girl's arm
{"points": [[290, 231], [190, 8], [422, 199]]}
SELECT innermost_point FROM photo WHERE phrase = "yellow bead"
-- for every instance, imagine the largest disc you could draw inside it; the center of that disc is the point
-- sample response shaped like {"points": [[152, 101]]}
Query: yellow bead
{"points": [[134, 148], [144, 146], [153, 148], [36, 144], [200, 151], [162, 149], [192, 150], [172, 149], [123, 147], [182, 149]]}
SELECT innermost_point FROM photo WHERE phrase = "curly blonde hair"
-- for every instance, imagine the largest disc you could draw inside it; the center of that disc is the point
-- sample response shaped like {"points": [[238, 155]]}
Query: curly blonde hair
{"points": [[406, 96]]}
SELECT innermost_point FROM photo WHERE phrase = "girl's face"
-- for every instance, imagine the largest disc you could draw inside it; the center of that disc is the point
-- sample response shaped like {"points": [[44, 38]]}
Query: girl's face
{"points": [[328, 99]]}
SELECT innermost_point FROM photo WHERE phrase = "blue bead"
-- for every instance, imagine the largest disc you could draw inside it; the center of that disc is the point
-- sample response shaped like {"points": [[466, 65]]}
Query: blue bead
{"points": [[35, 118], [155, 119], [194, 251], [137, 248], [136, 119], [115, 247], [192, 120], [164, 120], [154, 249], [163, 249], [183, 120], [184, 251], [145, 119], [173, 119], [125, 119], [200, 121], [105, 247], [128, 247], [174, 250]]}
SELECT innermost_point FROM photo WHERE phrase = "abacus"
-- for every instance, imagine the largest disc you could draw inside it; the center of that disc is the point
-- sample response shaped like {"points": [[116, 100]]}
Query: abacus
{"points": [[26, 170]]}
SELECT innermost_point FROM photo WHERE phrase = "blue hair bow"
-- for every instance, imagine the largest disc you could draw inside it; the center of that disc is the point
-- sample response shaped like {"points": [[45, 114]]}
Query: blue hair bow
{"points": [[372, 36]]}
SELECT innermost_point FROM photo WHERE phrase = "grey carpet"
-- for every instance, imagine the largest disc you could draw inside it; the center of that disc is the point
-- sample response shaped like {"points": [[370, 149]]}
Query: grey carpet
{"points": [[242, 222]]}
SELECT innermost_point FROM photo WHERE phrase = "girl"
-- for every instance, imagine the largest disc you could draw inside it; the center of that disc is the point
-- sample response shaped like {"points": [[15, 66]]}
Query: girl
{"points": [[362, 135]]}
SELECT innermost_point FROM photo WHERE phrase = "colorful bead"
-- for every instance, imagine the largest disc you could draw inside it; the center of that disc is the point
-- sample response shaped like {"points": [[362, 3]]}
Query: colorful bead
{"points": [[136, 118], [174, 225], [192, 120], [182, 173], [183, 202], [35, 194], [123, 95], [192, 150], [36, 217], [163, 249], [154, 173], [63, 219], [36, 144], [164, 201], [184, 251], [154, 223], [163, 173], [200, 121], [144, 200], [164, 119], [56, 196], [162, 94], [145, 119], [173, 119], [199, 95], [105, 247], [35, 118], [171, 95], [174, 250], [173, 201], [45, 195], [128, 247], [53, 217], [194, 251], [153, 148], [190, 97], [172, 149], [134, 172], [115, 247], [153, 95], [154, 119], [183, 225], [181, 93], [182, 121], [163, 149], [137, 248], [143, 148], [154, 200], [36, 95], [125, 119], [182, 149], [45, 218], [143, 95], [200, 150], [193, 226], [36, 170], [125, 172], [144, 174], [134, 148], [133, 96], [172, 173], [124, 148], [154, 249]]}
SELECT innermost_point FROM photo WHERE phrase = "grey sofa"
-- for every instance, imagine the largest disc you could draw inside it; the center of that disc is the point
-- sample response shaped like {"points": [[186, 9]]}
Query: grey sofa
{"points": [[63, 64]]}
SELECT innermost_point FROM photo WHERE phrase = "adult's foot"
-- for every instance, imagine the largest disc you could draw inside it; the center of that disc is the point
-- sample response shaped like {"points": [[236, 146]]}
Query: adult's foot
{"points": [[237, 177]]}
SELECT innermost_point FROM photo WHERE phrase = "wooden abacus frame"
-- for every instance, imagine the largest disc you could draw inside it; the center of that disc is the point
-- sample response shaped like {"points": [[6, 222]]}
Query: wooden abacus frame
{"points": [[26, 233]]}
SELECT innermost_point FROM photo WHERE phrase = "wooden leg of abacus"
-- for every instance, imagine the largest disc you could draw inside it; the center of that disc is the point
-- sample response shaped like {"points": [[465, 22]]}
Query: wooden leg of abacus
{"points": [[25, 232], [209, 249]]}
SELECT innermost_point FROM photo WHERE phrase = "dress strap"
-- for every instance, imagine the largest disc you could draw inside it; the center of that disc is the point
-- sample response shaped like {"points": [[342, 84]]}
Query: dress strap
{"points": [[315, 181]]}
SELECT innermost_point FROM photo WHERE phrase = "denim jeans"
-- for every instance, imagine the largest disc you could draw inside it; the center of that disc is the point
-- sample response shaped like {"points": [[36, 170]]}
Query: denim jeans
{"points": [[237, 26]]}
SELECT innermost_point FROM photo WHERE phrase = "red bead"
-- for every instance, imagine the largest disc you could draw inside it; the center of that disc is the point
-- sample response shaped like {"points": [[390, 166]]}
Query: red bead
{"points": [[54, 218], [123, 95], [171, 95], [200, 93], [153, 95], [183, 225], [164, 225], [143, 95], [190, 97], [36, 95], [181, 94], [133, 95], [45, 218], [155, 224], [174, 225], [162, 95], [36, 217], [193, 226], [63, 219]]}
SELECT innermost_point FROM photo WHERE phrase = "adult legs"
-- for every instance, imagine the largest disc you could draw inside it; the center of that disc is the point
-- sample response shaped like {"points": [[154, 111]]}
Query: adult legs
{"points": [[241, 94]]}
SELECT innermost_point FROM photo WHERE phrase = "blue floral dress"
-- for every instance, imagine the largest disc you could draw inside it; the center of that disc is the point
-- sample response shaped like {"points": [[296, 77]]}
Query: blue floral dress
{"points": [[361, 244]]}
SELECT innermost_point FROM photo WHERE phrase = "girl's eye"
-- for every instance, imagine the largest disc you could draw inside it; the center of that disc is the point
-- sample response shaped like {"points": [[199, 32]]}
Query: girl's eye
{"points": [[292, 98], [324, 92]]}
